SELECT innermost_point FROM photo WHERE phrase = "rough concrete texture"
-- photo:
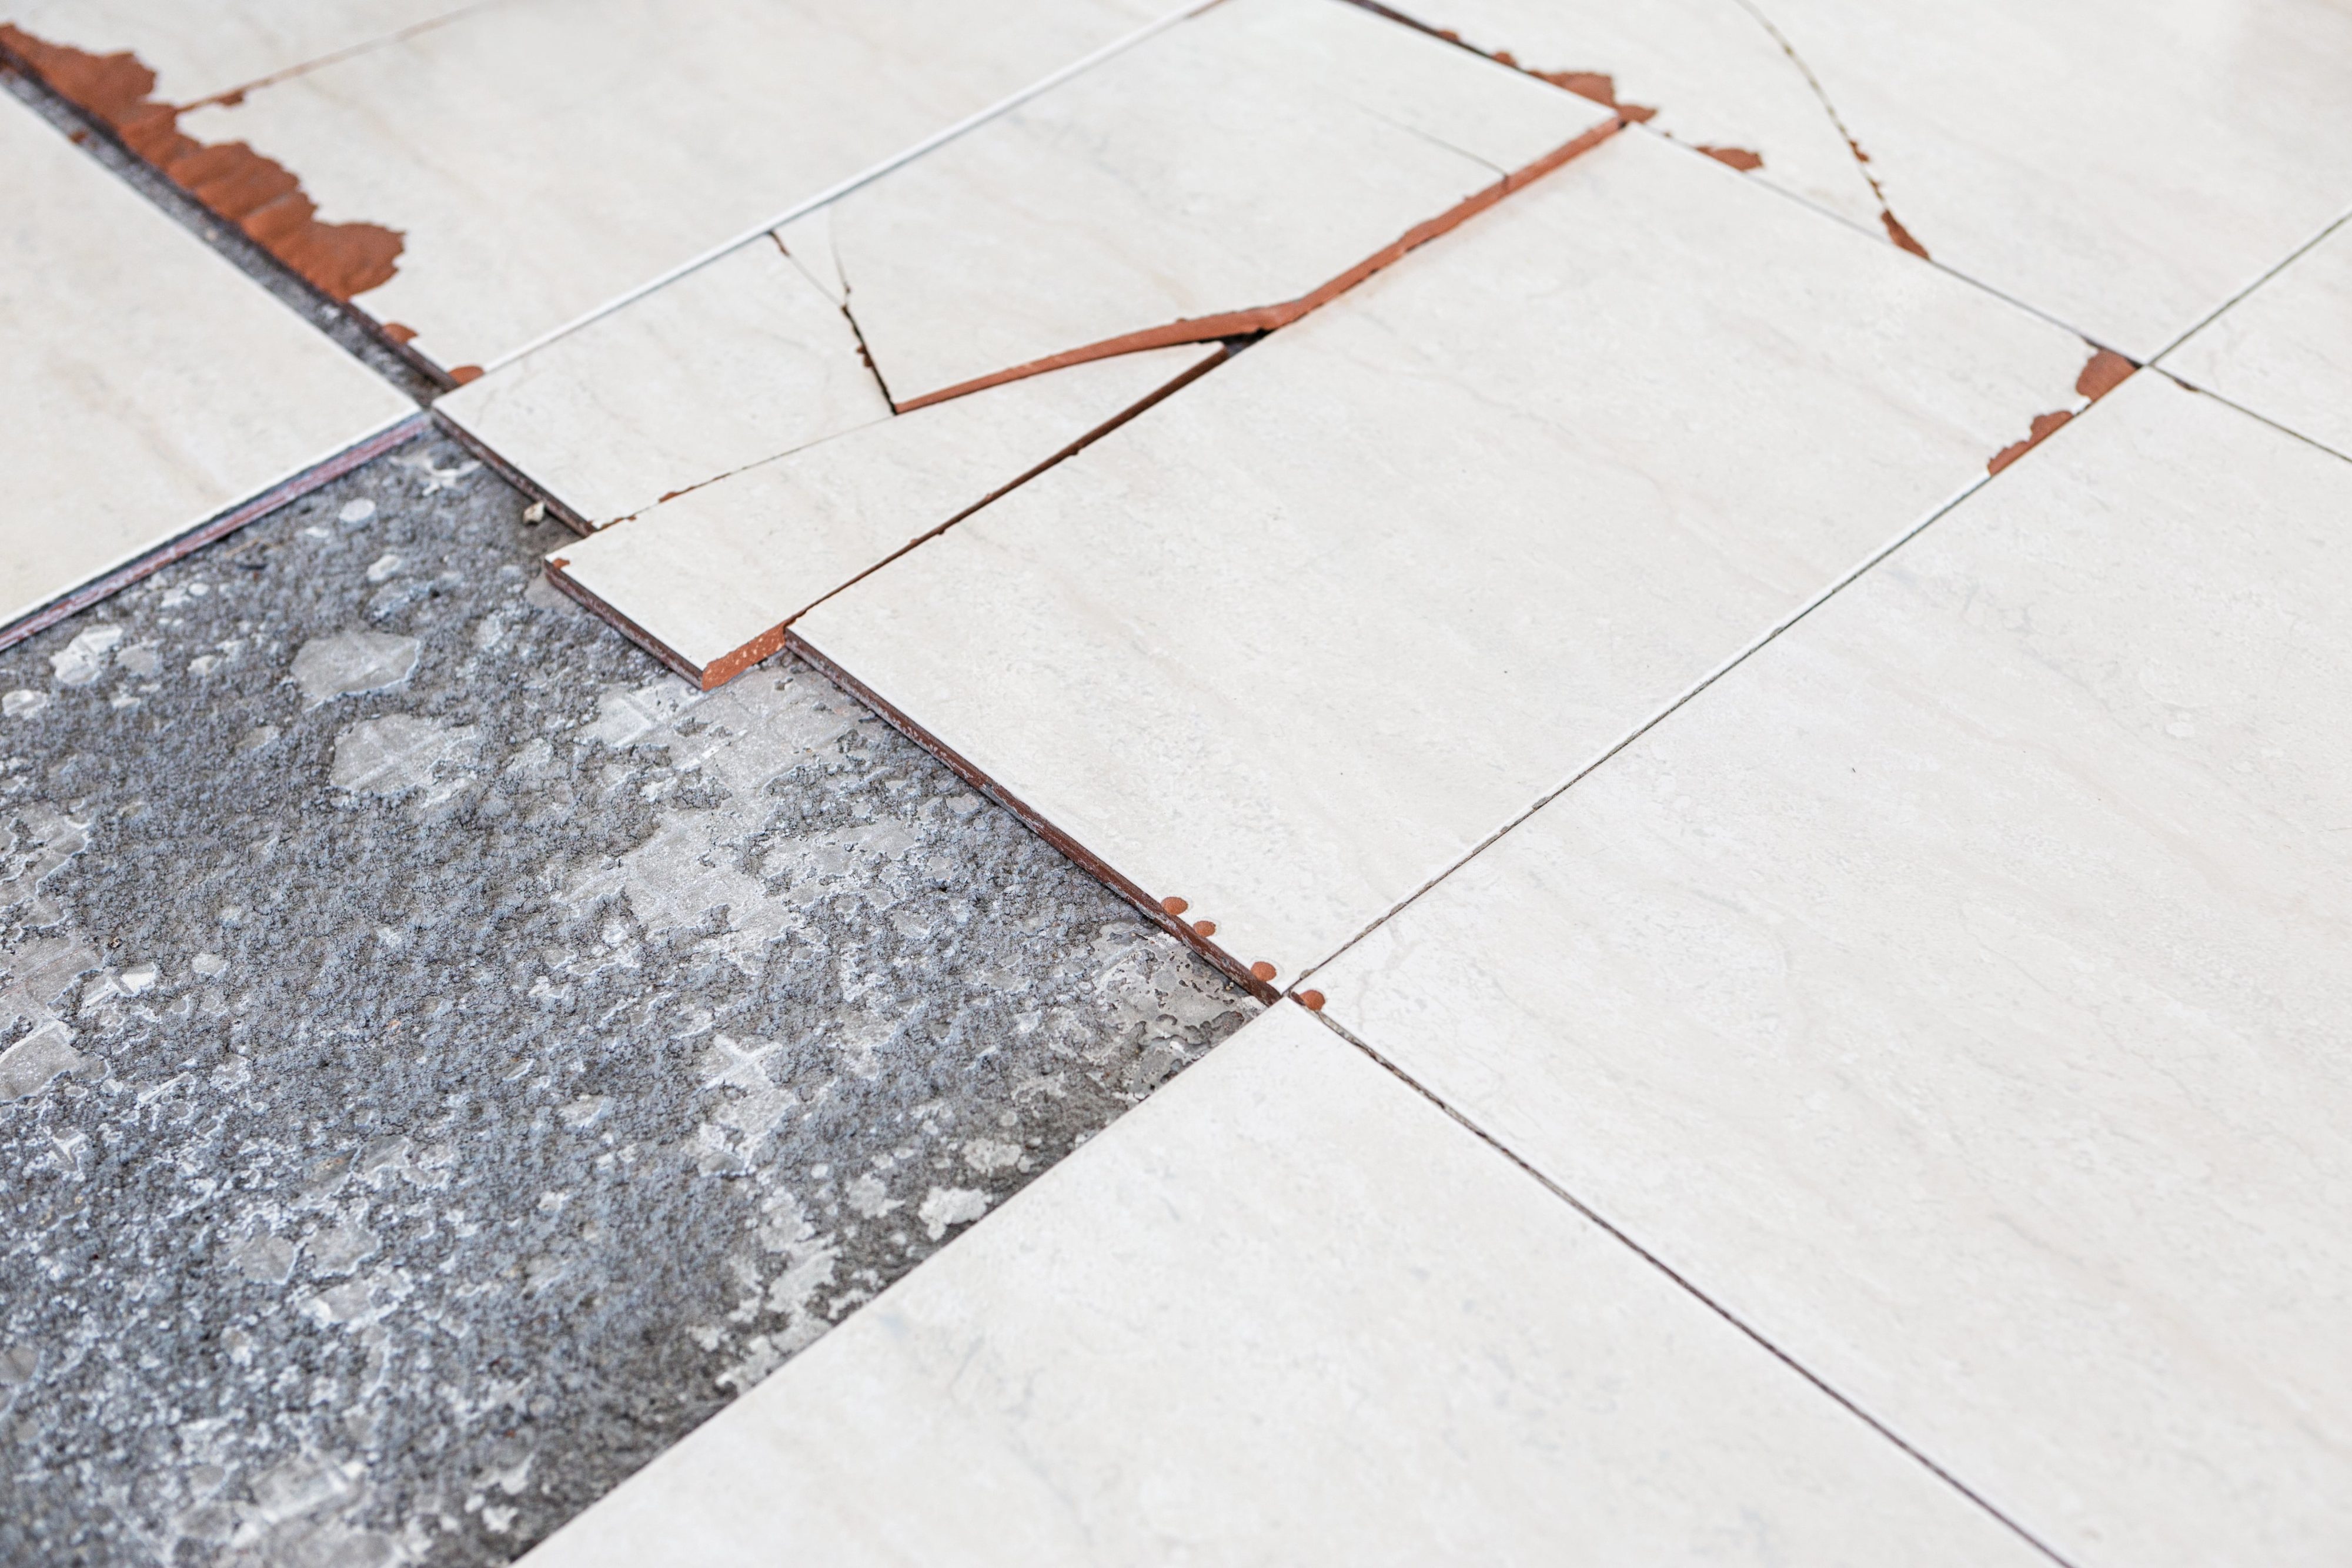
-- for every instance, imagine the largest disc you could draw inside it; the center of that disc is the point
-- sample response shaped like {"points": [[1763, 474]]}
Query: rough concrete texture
{"points": [[445, 1059]]}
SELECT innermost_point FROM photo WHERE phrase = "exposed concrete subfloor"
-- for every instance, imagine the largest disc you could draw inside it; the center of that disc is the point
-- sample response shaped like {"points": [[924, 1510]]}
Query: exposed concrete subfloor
{"points": [[432, 1147]]}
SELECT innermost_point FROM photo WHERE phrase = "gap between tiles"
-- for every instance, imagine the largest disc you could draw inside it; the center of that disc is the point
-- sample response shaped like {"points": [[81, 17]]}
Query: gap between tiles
{"points": [[1709, 1303]]}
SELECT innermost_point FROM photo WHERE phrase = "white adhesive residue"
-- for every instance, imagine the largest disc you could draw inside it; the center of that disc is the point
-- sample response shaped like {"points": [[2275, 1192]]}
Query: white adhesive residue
{"points": [[350, 662]]}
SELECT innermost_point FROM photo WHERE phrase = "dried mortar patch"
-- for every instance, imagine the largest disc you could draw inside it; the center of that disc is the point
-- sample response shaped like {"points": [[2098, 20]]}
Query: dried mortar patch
{"points": [[445, 1058]]}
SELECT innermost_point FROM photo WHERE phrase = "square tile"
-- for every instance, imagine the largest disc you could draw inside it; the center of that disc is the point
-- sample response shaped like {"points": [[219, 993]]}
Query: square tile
{"points": [[1955, 991]]}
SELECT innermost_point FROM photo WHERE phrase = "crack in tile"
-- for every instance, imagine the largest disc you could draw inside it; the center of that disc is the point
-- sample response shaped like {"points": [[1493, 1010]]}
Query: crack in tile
{"points": [[1262, 319], [1902, 236]]}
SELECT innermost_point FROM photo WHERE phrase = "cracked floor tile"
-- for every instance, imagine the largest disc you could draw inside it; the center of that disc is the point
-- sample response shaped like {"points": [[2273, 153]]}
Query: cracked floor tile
{"points": [[709, 579], [1219, 178], [445, 1059], [2125, 171]]}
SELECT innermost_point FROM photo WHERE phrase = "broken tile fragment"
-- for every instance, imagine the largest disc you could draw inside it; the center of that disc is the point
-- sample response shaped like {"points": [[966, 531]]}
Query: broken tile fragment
{"points": [[729, 366], [1271, 1314], [1221, 177], [709, 579]]}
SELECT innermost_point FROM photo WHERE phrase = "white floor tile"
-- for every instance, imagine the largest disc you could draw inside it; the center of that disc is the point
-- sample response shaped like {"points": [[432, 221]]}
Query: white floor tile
{"points": [[1220, 178], [2286, 350], [1957, 990], [1294, 641], [1286, 1312], [2125, 168], [150, 386], [729, 365], [709, 578], [543, 157]]}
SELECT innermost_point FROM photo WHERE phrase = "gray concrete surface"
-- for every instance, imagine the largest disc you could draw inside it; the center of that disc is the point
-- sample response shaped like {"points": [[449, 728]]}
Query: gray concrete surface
{"points": [[445, 1060]]}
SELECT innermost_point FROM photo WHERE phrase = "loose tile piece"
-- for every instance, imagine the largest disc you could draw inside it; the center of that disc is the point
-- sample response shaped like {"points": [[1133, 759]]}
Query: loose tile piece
{"points": [[709, 578], [1285, 1311], [1294, 641], [538, 158], [1224, 176], [1956, 991], [152, 388], [729, 365], [2286, 350], [2127, 172]]}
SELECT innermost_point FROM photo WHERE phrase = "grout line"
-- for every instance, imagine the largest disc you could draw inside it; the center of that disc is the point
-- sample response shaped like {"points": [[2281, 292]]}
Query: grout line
{"points": [[833, 193], [385, 438], [1726, 1313], [2223, 308], [2254, 414], [1644, 725], [230, 97]]}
